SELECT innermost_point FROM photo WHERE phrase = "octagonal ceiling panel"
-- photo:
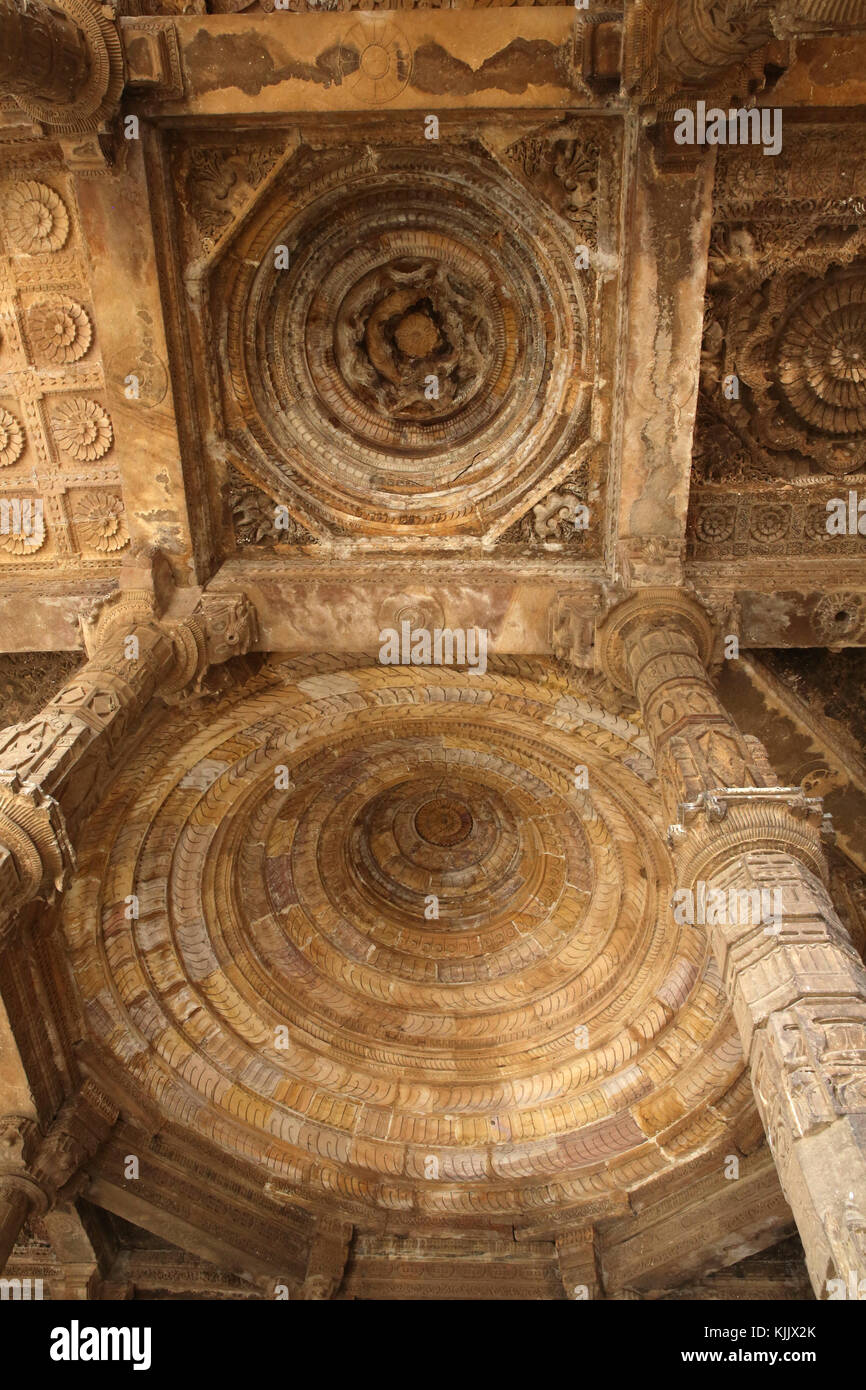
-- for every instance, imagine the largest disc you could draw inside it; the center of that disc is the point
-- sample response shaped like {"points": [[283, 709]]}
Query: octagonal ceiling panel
{"points": [[404, 339]]}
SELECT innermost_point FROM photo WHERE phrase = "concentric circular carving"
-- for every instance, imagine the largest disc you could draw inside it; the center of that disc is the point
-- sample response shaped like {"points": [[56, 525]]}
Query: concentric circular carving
{"points": [[822, 357], [375, 61], [395, 357], [387, 949], [444, 820]]}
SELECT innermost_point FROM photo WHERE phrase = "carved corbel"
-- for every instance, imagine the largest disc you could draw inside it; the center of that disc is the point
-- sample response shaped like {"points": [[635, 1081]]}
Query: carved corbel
{"points": [[577, 1252], [224, 625], [34, 1169], [326, 1263]]}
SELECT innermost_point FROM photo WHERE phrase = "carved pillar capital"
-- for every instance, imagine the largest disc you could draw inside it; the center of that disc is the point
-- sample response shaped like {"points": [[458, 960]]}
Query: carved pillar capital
{"points": [[681, 624], [54, 767], [677, 46], [36, 856], [61, 62]]}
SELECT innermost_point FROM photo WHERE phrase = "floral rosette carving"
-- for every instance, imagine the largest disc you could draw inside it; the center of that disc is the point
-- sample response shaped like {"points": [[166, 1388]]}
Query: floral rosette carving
{"points": [[83, 429], [35, 217], [799, 347], [11, 439], [60, 330], [101, 521], [715, 524]]}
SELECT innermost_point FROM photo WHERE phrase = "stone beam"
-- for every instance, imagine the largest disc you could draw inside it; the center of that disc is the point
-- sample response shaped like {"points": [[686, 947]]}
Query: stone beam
{"points": [[803, 747], [711, 1222], [341, 606], [218, 1250], [163, 485], [669, 242], [275, 65]]}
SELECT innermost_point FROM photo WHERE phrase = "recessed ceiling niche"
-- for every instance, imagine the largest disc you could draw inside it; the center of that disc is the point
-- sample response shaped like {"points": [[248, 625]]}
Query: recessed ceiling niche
{"points": [[415, 356]]}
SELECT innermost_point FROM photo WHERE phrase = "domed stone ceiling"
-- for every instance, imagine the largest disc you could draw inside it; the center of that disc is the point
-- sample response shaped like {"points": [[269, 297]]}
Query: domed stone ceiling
{"points": [[406, 343], [389, 947]]}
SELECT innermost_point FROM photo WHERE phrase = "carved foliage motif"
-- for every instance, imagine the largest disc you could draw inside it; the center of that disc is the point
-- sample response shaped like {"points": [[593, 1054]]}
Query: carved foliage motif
{"points": [[786, 321]]}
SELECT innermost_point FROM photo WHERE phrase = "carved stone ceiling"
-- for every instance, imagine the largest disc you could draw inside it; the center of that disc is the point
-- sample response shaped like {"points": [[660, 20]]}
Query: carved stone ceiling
{"points": [[289, 992], [391, 963], [402, 347]]}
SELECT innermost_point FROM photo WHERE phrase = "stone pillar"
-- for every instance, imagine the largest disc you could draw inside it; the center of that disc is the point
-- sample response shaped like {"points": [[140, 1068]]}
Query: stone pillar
{"points": [[33, 1168], [749, 859], [43, 54], [54, 767]]}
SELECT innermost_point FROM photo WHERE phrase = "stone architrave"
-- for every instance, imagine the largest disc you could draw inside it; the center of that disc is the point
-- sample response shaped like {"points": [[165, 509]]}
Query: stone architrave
{"points": [[751, 851]]}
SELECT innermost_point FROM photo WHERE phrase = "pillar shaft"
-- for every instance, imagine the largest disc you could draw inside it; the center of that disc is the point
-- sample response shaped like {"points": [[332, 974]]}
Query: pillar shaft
{"points": [[43, 54], [748, 854]]}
